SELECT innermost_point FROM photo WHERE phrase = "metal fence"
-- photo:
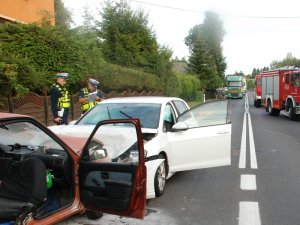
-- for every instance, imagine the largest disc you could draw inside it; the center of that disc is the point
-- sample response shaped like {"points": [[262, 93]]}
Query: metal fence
{"points": [[39, 107]]}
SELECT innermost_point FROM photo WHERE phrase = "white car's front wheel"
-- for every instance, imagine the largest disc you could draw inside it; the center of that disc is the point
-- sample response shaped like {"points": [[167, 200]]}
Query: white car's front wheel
{"points": [[160, 178]]}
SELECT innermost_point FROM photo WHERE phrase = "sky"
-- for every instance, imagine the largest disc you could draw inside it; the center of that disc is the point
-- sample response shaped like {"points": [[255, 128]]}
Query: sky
{"points": [[253, 37]]}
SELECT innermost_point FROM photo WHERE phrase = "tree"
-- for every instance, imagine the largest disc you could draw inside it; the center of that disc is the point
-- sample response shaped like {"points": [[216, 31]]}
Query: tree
{"points": [[88, 19], [205, 45], [239, 73], [63, 16], [214, 33], [127, 39], [201, 63], [289, 60]]}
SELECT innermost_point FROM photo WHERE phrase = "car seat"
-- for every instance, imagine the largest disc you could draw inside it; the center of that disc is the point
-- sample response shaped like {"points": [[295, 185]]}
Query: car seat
{"points": [[23, 187]]}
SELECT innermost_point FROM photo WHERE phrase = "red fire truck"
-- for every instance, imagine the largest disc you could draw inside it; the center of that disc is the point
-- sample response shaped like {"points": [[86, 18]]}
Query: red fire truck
{"points": [[281, 91], [257, 91]]}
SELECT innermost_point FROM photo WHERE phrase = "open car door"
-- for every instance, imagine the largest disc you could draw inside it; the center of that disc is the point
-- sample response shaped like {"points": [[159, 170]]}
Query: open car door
{"points": [[201, 138], [112, 172]]}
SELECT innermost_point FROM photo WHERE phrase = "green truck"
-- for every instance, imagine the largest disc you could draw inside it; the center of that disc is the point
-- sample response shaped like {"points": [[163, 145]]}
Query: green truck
{"points": [[236, 86]]}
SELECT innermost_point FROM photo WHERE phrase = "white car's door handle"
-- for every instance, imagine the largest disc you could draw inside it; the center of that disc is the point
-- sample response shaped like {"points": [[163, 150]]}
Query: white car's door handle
{"points": [[223, 132]]}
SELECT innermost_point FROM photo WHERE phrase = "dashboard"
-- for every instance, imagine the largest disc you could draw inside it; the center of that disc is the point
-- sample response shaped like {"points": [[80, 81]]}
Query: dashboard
{"points": [[53, 159]]}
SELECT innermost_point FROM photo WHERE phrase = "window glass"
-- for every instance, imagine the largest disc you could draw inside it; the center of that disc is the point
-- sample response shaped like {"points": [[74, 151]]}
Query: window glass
{"points": [[258, 81], [295, 79], [180, 106], [234, 83], [114, 143], [207, 114], [25, 135], [168, 118], [147, 113], [287, 78]]}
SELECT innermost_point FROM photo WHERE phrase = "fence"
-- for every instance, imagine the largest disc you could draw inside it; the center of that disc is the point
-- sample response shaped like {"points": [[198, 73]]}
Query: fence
{"points": [[39, 107]]}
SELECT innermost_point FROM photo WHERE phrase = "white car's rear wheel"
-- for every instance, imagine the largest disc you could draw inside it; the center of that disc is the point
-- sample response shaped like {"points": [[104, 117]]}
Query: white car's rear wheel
{"points": [[160, 178]]}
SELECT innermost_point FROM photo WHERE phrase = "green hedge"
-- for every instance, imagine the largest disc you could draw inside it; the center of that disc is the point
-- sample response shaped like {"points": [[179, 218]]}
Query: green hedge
{"points": [[189, 87]]}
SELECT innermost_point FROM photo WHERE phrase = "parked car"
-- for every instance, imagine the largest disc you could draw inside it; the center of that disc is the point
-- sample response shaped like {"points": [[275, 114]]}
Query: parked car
{"points": [[45, 178], [176, 138]]}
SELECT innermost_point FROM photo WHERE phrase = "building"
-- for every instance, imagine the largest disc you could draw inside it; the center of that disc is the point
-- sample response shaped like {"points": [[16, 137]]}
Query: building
{"points": [[27, 11]]}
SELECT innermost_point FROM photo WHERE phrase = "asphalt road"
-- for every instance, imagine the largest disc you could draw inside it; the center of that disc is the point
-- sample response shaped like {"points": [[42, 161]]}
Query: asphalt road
{"points": [[262, 186]]}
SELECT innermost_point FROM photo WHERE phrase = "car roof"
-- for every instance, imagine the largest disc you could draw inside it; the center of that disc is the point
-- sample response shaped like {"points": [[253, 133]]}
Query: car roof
{"points": [[12, 115], [142, 99]]}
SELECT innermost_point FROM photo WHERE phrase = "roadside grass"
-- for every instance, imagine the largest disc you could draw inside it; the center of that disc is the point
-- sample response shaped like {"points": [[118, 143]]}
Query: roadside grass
{"points": [[193, 104]]}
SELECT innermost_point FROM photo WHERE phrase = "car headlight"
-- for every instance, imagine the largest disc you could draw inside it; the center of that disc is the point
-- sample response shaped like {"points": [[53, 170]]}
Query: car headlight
{"points": [[131, 155]]}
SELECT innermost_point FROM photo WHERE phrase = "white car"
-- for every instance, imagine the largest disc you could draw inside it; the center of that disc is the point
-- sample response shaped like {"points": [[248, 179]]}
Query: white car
{"points": [[176, 138]]}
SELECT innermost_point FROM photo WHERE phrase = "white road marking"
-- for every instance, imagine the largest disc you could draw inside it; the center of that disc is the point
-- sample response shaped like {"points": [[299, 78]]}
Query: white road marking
{"points": [[252, 145], [249, 213], [248, 182], [242, 161], [246, 103]]}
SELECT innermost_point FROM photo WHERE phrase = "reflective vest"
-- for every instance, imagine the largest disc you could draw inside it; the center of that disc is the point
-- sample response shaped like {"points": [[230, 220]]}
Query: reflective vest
{"points": [[87, 105], [64, 101]]}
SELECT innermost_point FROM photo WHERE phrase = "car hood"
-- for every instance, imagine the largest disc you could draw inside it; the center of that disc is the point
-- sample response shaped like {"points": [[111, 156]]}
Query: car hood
{"points": [[74, 136], [80, 131]]}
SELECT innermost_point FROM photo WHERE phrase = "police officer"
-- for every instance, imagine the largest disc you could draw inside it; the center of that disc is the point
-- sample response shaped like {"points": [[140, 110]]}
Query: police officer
{"points": [[60, 101], [90, 95]]}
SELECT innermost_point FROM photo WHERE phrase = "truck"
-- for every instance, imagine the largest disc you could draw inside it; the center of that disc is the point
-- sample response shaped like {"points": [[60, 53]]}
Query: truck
{"points": [[235, 86], [257, 91], [280, 90]]}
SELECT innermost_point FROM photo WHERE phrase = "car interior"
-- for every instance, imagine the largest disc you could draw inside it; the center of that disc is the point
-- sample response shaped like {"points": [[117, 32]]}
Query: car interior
{"points": [[33, 179]]}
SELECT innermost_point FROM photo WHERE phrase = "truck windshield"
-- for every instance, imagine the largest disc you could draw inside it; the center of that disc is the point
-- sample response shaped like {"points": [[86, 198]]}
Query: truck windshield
{"points": [[295, 80], [234, 83]]}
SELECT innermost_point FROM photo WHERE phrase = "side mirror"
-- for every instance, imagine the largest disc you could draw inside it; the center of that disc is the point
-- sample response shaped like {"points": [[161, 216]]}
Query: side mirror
{"points": [[96, 150], [180, 126], [98, 154]]}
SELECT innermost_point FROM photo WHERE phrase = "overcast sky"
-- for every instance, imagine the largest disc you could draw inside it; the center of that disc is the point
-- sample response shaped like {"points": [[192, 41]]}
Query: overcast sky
{"points": [[248, 43]]}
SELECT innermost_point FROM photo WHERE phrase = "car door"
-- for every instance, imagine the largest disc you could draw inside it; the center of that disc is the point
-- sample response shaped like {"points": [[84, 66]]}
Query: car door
{"points": [[201, 138], [112, 172]]}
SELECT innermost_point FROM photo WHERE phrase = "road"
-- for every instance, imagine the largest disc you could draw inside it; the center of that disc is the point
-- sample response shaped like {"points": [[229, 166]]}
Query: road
{"points": [[262, 186]]}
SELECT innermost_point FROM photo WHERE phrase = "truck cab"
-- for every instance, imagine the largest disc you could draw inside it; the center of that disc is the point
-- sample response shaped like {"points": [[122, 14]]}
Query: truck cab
{"points": [[235, 86], [257, 91]]}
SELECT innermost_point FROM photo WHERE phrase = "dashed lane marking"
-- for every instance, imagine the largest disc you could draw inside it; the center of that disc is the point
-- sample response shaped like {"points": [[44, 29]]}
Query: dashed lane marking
{"points": [[249, 213], [248, 182]]}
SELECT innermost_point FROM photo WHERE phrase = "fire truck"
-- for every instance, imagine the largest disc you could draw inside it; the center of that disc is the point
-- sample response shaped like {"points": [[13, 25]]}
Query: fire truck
{"points": [[280, 90], [257, 91]]}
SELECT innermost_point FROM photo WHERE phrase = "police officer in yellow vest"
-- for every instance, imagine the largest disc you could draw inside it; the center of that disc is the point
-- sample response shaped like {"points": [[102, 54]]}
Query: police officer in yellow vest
{"points": [[90, 95], [60, 100]]}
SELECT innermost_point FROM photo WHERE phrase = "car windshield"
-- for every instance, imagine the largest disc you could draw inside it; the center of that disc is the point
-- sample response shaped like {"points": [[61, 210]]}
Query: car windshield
{"points": [[147, 113], [26, 134]]}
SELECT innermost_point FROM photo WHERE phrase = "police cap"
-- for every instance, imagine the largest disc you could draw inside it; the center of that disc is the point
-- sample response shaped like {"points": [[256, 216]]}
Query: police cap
{"points": [[93, 82], [62, 75]]}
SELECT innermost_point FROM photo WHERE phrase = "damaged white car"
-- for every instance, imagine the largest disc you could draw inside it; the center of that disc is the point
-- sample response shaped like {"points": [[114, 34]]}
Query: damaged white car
{"points": [[176, 138]]}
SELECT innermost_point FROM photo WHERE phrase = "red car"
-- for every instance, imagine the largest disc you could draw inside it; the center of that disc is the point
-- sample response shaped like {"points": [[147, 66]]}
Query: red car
{"points": [[45, 179]]}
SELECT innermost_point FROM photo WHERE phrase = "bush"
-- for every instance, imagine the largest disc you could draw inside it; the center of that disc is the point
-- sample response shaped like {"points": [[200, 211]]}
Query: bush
{"points": [[189, 87]]}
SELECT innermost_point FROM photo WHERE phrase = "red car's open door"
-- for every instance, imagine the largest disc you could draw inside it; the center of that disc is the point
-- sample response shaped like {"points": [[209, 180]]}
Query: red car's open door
{"points": [[112, 169]]}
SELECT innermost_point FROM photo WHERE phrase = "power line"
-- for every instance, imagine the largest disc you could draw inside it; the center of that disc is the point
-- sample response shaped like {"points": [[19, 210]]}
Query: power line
{"points": [[225, 15]]}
